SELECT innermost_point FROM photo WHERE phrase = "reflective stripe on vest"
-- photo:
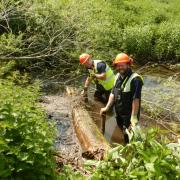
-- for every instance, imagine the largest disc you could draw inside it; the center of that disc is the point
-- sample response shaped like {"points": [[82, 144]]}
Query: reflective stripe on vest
{"points": [[126, 85], [110, 77]]}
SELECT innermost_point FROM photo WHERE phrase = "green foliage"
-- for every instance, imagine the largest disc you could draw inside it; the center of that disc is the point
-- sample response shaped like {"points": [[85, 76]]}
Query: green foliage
{"points": [[9, 72], [139, 40], [10, 43], [68, 174], [26, 138], [53, 33], [34, 32], [7, 68], [105, 28], [167, 41], [143, 158], [50, 35]]}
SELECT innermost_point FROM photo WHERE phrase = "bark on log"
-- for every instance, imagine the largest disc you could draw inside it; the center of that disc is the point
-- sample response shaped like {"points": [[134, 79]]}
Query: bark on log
{"points": [[93, 142]]}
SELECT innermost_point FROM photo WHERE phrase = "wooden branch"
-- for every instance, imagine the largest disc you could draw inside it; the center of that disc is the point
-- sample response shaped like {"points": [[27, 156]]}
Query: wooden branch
{"points": [[23, 57]]}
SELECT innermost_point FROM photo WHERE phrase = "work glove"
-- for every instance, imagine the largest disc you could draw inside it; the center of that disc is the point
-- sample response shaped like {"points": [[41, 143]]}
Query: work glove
{"points": [[134, 132], [84, 92], [93, 77], [134, 120]]}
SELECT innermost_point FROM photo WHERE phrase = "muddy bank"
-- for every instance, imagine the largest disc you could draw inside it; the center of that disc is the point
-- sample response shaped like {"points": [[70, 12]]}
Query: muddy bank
{"points": [[77, 136], [160, 70], [58, 109]]}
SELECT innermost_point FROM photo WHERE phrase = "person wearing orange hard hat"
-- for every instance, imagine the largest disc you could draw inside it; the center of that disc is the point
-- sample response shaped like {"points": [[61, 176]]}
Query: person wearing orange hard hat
{"points": [[126, 94], [100, 74]]}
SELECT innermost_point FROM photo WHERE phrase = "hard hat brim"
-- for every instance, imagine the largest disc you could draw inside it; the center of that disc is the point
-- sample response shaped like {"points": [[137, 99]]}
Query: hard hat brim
{"points": [[87, 59], [121, 62]]}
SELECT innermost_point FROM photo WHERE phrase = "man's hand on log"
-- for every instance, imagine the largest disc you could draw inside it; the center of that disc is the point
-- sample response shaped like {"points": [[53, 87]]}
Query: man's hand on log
{"points": [[103, 110]]}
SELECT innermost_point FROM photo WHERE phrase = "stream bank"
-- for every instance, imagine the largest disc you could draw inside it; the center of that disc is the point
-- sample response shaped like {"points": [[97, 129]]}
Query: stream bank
{"points": [[59, 109]]}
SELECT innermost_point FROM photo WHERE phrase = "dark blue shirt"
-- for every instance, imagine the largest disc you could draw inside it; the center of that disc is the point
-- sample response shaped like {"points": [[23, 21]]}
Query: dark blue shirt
{"points": [[101, 67]]}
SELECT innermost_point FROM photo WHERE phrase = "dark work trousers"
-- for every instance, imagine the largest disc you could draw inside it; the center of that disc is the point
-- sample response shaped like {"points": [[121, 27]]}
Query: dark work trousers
{"points": [[101, 94], [123, 122]]}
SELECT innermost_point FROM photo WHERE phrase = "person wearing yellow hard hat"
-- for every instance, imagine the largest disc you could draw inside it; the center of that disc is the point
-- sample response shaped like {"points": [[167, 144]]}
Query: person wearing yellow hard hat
{"points": [[126, 94], [100, 74]]}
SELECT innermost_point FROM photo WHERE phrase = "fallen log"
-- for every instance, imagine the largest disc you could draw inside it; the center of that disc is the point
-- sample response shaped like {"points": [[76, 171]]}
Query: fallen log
{"points": [[93, 142]]}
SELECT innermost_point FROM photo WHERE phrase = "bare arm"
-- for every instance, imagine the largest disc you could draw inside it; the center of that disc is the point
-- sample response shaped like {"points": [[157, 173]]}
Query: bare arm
{"points": [[110, 101], [101, 76], [134, 113], [136, 90], [86, 85], [87, 82], [135, 107], [108, 105]]}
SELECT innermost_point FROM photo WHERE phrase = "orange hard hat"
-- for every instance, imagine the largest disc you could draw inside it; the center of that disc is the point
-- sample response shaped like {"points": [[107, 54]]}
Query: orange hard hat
{"points": [[84, 57], [122, 58]]}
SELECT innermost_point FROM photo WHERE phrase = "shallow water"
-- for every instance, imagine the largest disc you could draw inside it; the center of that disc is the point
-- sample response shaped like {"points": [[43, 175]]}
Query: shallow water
{"points": [[59, 111]]}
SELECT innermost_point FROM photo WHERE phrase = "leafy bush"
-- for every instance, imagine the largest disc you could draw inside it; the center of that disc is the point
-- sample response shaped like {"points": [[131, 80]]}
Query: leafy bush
{"points": [[51, 34], [105, 28], [68, 174], [26, 139], [143, 158], [10, 43], [137, 40], [35, 35], [167, 38]]}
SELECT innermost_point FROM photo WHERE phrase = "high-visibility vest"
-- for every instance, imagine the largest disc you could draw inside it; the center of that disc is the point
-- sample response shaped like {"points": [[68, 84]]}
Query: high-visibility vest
{"points": [[108, 83], [123, 96], [126, 85]]}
